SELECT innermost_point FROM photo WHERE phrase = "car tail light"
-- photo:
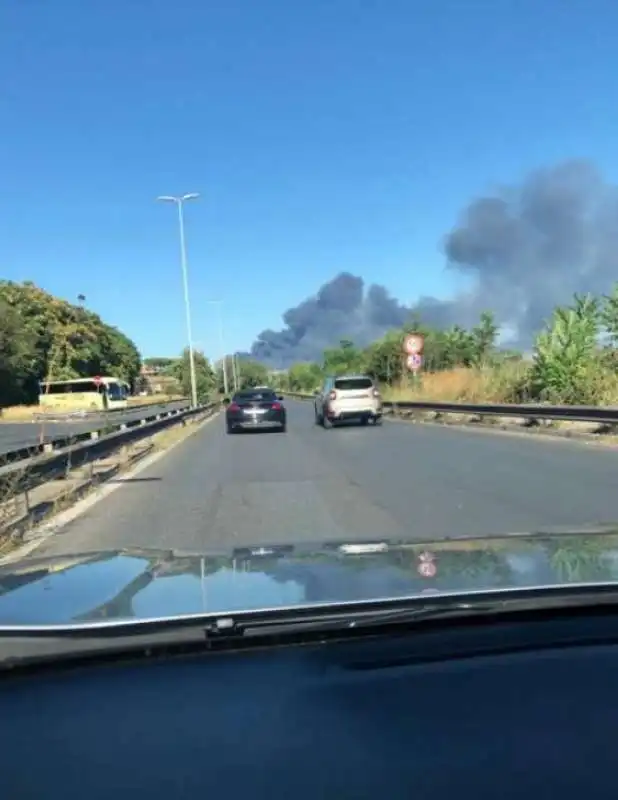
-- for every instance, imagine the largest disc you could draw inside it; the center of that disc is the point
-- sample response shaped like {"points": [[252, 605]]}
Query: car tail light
{"points": [[234, 407], [332, 395], [276, 406]]}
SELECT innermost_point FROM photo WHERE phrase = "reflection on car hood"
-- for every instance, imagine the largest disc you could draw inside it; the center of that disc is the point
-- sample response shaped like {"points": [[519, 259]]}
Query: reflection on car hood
{"points": [[139, 583]]}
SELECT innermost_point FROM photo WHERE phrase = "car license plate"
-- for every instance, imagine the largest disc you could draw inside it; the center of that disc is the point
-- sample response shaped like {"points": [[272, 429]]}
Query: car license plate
{"points": [[255, 411]]}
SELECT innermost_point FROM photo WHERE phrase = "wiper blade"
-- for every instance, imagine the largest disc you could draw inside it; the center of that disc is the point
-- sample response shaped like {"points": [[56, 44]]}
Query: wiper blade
{"points": [[341, 616], [226, 625]]}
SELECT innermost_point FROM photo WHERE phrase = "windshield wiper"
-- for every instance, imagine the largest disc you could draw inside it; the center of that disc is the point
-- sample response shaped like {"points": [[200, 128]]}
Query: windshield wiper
{"points": [[222, 624], [228, 626], [361, 616]]}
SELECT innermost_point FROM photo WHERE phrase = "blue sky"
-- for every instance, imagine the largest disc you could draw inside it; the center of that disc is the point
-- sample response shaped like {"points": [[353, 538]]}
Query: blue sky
{"points": [[323, 136]]}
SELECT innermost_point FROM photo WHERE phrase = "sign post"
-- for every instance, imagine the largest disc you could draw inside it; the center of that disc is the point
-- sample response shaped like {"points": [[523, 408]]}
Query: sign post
{"points": [[427, 565], [98, 382], [413, 346]]}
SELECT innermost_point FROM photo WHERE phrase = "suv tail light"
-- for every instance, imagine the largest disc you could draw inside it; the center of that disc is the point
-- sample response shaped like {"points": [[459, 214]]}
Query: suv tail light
{"points": [[276, 406], [332, 395], [234, 407]]}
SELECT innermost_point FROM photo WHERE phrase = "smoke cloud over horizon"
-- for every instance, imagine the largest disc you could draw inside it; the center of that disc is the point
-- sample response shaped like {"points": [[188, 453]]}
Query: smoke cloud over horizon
{"points": [[525, 249]]}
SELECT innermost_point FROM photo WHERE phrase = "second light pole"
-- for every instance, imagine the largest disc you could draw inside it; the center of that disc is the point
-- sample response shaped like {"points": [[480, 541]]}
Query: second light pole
{"points": [[185, 280], [219, 304]]}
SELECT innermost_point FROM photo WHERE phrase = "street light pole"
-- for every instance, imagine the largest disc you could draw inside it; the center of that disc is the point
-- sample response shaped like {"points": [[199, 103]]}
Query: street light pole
{"points": [[235, 372], [185, 281]]}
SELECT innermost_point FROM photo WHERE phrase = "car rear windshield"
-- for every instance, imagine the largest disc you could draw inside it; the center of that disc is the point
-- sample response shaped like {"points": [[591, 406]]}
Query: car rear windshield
{"points": [[244, 397], [353, 384]]}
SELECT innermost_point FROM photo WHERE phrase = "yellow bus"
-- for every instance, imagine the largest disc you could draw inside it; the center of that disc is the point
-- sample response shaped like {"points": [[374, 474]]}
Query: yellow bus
{"points": [[85, 394]]}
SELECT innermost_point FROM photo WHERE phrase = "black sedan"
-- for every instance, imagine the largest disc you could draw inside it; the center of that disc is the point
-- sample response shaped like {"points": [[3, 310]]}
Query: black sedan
{"points": [[255, 409]]}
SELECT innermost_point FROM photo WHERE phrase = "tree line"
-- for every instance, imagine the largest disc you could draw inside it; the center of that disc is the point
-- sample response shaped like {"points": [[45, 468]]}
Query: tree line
{"points": [[45, 338], [574, 358], [209, 378]]}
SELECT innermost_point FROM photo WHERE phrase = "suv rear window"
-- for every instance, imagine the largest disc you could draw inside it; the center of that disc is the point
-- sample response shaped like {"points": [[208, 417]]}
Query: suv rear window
{"points": [[353, 384]]}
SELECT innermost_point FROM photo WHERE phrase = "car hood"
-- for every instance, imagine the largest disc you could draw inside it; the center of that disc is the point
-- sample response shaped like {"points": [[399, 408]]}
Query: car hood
{"points": [[142, 583]]}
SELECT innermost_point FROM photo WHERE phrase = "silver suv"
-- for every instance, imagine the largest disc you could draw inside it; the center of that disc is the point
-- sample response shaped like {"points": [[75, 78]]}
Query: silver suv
{"points": [[348, 397]]}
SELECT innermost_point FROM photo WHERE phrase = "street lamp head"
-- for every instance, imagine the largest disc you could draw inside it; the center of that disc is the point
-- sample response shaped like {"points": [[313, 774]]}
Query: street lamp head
{"points": [[168, 198]]}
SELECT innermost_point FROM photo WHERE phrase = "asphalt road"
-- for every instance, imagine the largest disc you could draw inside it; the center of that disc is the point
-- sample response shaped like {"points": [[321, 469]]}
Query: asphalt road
{"points": [[355, 483], [14, 435]]}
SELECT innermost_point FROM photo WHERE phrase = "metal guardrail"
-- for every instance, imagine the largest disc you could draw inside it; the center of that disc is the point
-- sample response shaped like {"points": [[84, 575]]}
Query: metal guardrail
{"points": [[28, 473], [69, 416], [602, 415], [107, 426]]}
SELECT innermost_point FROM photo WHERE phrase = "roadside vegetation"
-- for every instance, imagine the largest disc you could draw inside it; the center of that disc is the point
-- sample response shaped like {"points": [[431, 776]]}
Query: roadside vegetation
{"points": [[209, 378], [574, 360], [43, 337]]}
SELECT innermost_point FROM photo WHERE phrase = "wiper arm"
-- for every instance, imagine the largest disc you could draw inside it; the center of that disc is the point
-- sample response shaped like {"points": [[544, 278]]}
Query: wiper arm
{"points": [[341, 621], [255, 623], [339, 617]]}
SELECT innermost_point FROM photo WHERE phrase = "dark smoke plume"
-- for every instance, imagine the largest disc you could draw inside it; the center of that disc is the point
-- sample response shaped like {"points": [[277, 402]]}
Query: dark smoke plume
{"points": [[340, 310], [525, 249]]}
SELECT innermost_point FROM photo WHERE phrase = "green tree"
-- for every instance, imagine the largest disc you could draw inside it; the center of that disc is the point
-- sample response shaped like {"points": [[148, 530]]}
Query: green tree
{"points": [[46, 337], [251, 373], [205, 378], [161, 363], [483, 338], [343, 359], [384, 358], [305, 377], [16, 356], [564, 353]]}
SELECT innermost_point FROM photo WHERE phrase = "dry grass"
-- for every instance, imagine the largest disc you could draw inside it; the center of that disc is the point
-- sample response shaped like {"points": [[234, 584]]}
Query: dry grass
{"points": [[503, 384], [461, 385], [154, 399], [26, 413], [604, 387]]}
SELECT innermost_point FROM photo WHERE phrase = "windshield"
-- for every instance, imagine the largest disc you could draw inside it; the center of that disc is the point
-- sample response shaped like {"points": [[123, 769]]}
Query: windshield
{"points": [[71, 387], [351, 384], [304, 306]]}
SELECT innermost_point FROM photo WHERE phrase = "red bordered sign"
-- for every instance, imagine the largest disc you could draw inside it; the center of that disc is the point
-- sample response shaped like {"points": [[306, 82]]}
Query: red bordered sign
{"points": [[414, 362], [427, 569], [427, 565], [414, 343]]}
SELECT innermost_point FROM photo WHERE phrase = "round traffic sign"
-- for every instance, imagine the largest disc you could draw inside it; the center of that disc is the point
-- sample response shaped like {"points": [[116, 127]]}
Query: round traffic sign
{"points": [[427, 569], [414, 361], [414, 343]]}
